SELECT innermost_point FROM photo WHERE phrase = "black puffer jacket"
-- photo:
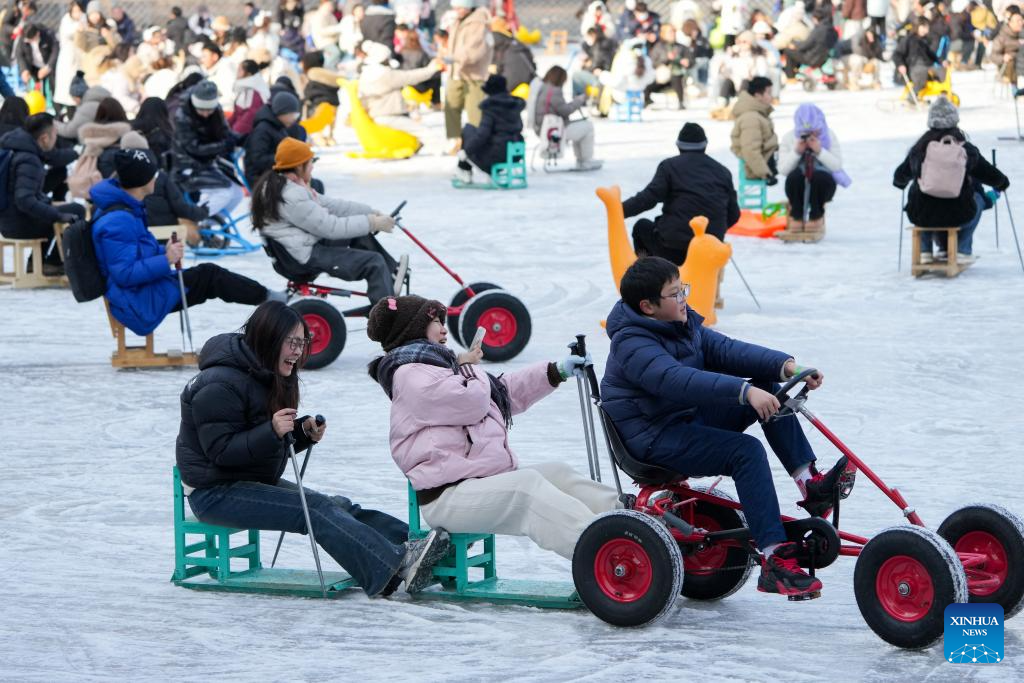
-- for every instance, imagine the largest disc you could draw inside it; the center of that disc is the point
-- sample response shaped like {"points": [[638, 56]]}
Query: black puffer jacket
{"points": [[926, 211], [815, 49], [261, 145], [913, 50], [501, 122], [202, 148], [687, 185], [26, 203], [226, 434]]}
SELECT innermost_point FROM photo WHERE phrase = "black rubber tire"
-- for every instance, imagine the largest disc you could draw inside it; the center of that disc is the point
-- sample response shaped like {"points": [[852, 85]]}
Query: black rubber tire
{"points": [[936, 556], [1008, 529], [722, 584], [334, 320], [659, 553], [490, 299], [461, 298]]}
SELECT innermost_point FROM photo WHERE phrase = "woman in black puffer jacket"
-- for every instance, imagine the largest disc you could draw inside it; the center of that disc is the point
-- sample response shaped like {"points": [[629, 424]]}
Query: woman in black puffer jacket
{"points": [[237, 416], [501, 122]]}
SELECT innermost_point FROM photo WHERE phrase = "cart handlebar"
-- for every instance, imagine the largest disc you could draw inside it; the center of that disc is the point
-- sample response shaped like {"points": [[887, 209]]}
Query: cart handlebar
{"points": [[398, 209]]}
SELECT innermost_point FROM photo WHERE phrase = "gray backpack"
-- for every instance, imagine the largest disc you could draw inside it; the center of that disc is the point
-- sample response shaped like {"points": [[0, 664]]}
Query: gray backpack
{"points": [[944, 168]]}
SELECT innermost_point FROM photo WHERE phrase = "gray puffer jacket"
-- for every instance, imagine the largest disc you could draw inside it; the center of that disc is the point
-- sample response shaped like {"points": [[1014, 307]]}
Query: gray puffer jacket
{"points": [[85, 113], [308, 217]]}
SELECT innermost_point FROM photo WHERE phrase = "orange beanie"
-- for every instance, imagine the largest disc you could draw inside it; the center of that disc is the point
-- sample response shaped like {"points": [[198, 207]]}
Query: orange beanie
{"points": [[291, 153]]}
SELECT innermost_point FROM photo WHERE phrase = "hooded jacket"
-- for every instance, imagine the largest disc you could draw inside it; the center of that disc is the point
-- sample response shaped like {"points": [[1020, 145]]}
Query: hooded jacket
{"points": [[308, 217], [141, 285], [98, 138], [226, 434], [512, 59], [753, 136], [445, 427], [261, 145], [501, 122], [471, 45], [251, 93], [659, 373], [322, 87], [687, 185], [380, 87], [26, 204], [198, 142], [85, 113]]}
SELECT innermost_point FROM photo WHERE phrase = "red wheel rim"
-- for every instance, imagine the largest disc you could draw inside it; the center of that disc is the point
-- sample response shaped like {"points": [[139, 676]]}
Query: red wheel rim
{"points": [[709, 559], [996, 564], [500, 325], [319, 330], [623, 571], [904, 588]]}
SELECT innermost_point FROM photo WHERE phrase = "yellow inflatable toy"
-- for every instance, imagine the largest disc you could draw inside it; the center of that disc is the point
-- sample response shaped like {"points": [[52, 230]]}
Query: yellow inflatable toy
{"points": [[36, 102], [379, 142], [521, 91], [705, 258], [528, 37], [416, 98], [323, 117]]}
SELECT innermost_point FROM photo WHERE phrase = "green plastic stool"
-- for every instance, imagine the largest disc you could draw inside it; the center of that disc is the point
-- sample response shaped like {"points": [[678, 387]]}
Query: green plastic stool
{"points": [[751, 194], [511, 175]]}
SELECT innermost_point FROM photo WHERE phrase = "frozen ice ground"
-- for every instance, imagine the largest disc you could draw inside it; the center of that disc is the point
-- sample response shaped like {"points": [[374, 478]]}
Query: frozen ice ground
{"points": [[923, 381]]}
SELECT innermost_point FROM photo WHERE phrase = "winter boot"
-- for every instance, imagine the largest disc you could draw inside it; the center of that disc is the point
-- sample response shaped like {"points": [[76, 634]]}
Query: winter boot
{"points": [[589, 165], [815, 225], [420, 557], [819, 490], [464, 171], [781, 574], [793, 225]]}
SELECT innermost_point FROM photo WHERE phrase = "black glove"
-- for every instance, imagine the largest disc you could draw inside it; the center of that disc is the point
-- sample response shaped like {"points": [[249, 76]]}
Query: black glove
{"points": [[67, 218], [771, 180]]}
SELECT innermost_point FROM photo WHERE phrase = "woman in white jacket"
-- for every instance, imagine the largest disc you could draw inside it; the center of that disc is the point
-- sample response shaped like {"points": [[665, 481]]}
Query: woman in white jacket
{"points": [[380, 84], [811, 148], [67, 57], [323, 233]]}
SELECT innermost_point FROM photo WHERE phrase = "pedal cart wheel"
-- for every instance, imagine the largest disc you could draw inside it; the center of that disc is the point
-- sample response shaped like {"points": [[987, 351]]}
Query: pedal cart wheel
{"points": [[716, 571], [904, 578], [627, 568], [504, 317], [996, 536], [326, 326], [460, 299]]}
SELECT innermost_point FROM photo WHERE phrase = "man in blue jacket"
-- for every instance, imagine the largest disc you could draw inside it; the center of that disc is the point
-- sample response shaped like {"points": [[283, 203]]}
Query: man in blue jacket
{"points": [[142, 287], [676, 393]]}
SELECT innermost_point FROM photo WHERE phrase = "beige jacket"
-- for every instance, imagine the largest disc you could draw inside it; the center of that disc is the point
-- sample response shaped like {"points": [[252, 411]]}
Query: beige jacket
{"points": [[753, 136], [471, 46]]}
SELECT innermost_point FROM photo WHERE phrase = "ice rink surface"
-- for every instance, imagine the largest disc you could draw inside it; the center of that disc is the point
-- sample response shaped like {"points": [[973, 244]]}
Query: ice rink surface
{"points": [[924, 381]]}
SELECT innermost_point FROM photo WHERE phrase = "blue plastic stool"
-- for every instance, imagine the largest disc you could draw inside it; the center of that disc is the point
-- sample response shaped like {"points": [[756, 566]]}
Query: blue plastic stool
{"points": [[751, 194], [632, 110]]}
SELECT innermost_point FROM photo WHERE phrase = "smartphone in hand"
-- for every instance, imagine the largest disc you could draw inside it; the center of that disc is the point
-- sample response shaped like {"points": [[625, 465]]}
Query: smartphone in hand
{"points": [[478, 338]]}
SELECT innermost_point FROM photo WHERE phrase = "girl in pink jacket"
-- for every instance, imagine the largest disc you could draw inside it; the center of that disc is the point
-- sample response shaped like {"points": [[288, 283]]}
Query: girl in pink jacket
{"points": [[449, 433]]}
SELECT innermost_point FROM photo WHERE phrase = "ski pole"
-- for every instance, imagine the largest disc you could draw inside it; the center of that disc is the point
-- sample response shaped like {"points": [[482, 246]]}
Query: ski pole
{"points": [[183, 314], [1013, 227], [808, 174], [995, 204], [305, 512], [899, 252], [745, 284], [319, 421], [588, 427], [910, 88]]}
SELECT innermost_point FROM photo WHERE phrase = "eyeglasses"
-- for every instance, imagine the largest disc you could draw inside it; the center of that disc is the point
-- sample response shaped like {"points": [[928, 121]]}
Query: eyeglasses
{"points": [[316, 159], [684, 291], [297, 343]]}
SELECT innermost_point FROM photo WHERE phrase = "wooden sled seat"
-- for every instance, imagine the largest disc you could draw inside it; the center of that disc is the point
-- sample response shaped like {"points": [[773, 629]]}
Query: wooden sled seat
{"points": [[18, 276], [949, 268], [142, 356]]}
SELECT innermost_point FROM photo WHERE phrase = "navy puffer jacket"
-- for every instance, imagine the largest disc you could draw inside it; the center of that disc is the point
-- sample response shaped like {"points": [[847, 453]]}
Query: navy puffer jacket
{"points": [[661, 372], [501, 122]]}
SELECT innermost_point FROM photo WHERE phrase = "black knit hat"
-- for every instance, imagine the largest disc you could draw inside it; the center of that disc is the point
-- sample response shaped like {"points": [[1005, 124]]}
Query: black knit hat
{"points": [[495, 84], [134, 167], [692, 138], [397, 320]]}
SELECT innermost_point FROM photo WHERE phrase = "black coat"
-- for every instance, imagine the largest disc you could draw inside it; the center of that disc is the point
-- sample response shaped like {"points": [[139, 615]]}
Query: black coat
{"points": [[226, 434], [687, 185], [513, 60], [317, 93], [814, 51], [48, 48], [160, 143], [261, 145], [926, 211], [378, 25], [26, 203], [501, 122], [200, 147], [177, 32], [600, 54], [913, 50]]}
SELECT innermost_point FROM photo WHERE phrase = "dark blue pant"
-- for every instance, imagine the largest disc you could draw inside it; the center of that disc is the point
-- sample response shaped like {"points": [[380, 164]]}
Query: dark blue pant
{"points": [[366, 543], [714, 443]]}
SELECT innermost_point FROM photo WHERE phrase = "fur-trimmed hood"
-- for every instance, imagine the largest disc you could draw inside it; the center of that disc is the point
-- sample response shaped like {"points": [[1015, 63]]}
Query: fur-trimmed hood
{"points": [[98, 136]]}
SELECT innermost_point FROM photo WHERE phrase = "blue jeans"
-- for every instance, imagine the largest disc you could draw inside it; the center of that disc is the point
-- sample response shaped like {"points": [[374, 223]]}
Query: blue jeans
{"points": [[368, 544], [714, 443], [581, 79], [964, 238]]}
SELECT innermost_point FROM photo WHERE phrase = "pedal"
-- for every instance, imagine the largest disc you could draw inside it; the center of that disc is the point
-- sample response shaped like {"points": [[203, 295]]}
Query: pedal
{"points": [[845, 483], [803, 598]]}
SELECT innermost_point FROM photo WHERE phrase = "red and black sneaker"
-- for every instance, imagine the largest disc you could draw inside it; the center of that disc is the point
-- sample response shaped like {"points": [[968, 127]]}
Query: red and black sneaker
{"points": [[781, 574], [819, 491]]}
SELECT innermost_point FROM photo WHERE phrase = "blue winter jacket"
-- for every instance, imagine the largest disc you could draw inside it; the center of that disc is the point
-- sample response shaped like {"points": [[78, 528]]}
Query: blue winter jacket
{"points": [[141, 285], [659, 372]]}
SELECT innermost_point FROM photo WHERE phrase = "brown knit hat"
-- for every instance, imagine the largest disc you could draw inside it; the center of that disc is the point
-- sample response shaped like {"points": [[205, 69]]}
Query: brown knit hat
{"points": [[396, 320]]}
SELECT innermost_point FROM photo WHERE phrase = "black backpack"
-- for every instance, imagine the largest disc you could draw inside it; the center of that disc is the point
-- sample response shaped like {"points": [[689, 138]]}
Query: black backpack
{"points": [[80, 264]]}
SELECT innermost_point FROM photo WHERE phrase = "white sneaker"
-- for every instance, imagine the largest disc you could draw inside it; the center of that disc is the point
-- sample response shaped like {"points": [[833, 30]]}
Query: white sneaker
{"points": [[965, 258], [464, 175], [589, 165], [926, 259], [403, 268], [941, 255]]}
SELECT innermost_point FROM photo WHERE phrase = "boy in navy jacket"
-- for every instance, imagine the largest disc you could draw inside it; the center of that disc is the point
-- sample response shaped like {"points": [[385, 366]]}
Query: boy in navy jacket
{"points": [[676, 393]]}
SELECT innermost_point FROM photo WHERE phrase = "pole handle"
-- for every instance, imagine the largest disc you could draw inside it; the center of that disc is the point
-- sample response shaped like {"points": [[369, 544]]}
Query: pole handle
{"points": [[579, 347], [174, 240]]}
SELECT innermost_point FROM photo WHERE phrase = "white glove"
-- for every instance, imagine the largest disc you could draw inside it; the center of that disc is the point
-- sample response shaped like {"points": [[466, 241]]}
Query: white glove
{"points": [[570, 364], [381, 223]]}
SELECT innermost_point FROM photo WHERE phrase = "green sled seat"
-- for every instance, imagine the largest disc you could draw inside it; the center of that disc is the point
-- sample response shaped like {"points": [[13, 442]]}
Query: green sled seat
{"points": [[206, 564], [507, 175]]}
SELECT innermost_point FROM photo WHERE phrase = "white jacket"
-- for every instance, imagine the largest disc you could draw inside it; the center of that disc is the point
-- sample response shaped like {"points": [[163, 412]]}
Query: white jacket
{"points": [[308, 217], [380, 87], [831, 159], [224, 74]]}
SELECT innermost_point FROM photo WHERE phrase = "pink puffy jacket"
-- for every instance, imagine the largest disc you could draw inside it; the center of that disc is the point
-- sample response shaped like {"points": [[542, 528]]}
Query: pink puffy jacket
{"points": [[445, 428]]}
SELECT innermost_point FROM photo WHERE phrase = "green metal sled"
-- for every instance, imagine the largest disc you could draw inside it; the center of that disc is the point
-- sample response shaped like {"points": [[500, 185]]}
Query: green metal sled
{"points": [[206, 564], [510, 175], [456, 584]]}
